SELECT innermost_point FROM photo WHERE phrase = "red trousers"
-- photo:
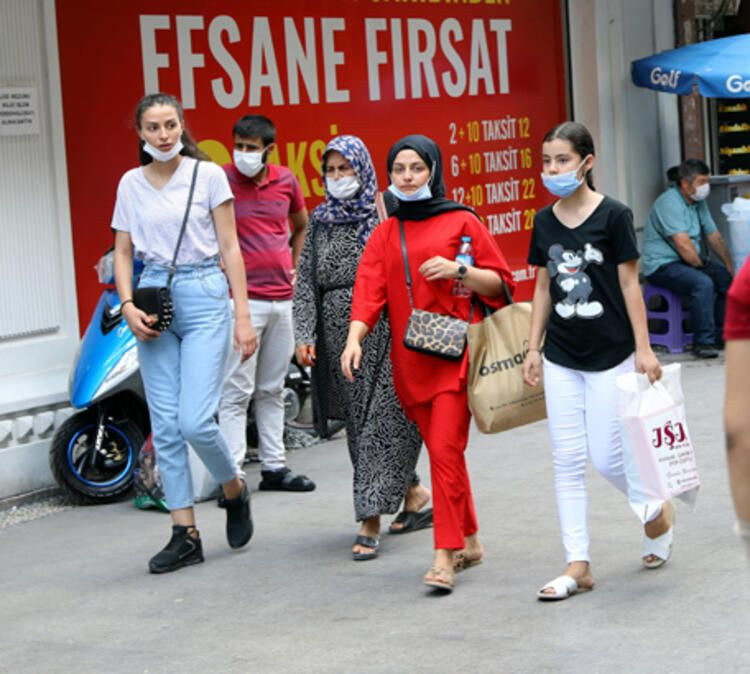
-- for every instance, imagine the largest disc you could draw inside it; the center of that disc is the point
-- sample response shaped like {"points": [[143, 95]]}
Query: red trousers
{"points": [[444, 425]]}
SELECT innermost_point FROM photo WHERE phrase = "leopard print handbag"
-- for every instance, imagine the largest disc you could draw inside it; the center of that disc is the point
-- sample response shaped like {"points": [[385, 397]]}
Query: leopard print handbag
{"points": [[436, 334], [428, 332]]}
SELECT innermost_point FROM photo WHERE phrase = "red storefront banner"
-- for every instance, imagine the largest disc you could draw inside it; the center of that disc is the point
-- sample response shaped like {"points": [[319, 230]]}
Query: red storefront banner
{"points": [[483, 78]]}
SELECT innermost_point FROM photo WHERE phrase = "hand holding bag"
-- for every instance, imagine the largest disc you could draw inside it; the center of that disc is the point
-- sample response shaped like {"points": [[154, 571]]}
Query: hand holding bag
{"points": [[657, 450], [158, 301], [429, 332], [499, 398]]}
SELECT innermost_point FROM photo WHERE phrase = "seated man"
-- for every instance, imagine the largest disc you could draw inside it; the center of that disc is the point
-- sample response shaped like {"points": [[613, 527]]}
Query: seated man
{"points": [[674, 257]]}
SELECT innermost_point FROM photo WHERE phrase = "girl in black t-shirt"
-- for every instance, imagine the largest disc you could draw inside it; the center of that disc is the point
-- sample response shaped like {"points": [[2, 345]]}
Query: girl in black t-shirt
{"points": [[589, 301]]}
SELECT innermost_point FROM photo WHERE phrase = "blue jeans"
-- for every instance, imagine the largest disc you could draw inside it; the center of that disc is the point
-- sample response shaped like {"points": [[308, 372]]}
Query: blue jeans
{"points": [[183, 372], [708, 291]]}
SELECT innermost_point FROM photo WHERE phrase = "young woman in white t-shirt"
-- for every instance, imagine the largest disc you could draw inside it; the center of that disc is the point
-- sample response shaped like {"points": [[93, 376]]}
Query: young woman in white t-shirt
{"points": [[183, 366]]}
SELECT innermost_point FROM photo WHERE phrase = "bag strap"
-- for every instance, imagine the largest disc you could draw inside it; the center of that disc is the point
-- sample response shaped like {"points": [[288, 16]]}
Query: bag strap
{"points": [[172, 267], [705, 251], [406, 262]]}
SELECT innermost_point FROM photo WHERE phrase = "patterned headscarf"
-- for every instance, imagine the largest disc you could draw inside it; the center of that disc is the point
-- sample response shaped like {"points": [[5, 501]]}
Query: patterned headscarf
{"points": [[360, 210]]}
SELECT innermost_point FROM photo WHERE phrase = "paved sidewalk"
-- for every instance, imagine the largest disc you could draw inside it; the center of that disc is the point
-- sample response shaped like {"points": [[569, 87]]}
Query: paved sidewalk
{"points": [[75, 595]]}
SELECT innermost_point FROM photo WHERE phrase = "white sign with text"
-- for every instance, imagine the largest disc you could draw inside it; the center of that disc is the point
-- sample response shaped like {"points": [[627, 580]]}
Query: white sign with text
{"points": [[19, 111]]}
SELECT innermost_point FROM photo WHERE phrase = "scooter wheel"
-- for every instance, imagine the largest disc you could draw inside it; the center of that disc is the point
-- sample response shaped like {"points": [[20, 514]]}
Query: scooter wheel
{"points": [[90, 476]]}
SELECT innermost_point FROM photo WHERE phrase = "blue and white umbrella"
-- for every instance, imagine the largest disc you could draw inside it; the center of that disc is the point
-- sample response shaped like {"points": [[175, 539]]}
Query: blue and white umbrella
{"points": [[719, 68]]}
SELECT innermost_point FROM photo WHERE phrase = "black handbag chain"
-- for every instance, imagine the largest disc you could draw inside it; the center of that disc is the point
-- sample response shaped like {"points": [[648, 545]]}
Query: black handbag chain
{"points": [[173, 266]]}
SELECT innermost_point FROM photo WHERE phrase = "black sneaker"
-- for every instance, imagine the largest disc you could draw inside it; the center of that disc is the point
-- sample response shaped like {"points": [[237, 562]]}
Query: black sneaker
{"points": [[182, 550], [705, 351], [239, 520]]}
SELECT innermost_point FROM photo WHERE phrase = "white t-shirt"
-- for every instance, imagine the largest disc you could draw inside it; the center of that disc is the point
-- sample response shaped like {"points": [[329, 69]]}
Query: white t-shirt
{"points": [[154, 217]]}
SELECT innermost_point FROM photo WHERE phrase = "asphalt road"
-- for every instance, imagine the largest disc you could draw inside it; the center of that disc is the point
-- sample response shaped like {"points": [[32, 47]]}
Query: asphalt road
{"points": [[75, 595]]}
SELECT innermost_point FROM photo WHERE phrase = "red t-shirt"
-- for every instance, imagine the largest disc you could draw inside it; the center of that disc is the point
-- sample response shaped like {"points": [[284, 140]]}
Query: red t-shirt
{"points": [[737, 318], [262, 211], [381, 281]]}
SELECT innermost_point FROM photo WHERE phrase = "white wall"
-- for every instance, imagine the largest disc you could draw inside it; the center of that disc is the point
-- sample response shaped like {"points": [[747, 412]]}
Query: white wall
{"points": [[38, 313], [636, 131]]}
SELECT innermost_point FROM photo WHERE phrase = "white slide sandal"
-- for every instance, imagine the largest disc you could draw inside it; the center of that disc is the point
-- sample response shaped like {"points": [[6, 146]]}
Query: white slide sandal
{"points": [[659, 547], [563, 586]]}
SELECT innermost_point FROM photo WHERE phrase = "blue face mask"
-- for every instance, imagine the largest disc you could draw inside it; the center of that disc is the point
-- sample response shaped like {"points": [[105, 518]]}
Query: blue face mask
{"points": [[421, 194], [564, 184]]}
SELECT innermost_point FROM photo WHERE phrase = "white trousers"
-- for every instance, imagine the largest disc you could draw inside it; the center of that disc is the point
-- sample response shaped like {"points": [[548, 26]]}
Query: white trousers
{"points": [[583, 421], [261, 377]]}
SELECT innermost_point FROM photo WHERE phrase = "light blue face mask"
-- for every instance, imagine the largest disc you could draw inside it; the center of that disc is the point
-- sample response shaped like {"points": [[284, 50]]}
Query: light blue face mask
{"points": [[421, 194], [564, 184]]}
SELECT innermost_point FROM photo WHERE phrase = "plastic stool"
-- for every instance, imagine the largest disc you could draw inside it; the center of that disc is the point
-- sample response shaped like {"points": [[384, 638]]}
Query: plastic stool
{"points": [[666, 316]]}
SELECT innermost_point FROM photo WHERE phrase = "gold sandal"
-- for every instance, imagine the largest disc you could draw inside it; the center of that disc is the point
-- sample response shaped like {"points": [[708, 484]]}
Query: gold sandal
{"points": [[440, 578], [461, 561]]}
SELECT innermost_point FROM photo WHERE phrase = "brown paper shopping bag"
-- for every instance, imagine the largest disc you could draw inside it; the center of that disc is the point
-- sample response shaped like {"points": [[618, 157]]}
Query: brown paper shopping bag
{"points": [[498, 397]]}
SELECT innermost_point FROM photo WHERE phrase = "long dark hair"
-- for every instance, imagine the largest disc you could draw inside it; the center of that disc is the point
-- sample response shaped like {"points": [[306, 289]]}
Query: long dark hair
{"points": [[190, 147], [579, 137]]}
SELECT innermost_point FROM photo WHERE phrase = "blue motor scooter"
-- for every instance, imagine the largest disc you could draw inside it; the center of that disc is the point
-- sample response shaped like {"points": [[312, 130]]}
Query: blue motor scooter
{"points": [[93, 454]]}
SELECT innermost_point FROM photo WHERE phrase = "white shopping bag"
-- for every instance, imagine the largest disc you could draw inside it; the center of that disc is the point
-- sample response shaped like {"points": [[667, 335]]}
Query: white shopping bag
{"points": [[657, 450], [738, 221]]}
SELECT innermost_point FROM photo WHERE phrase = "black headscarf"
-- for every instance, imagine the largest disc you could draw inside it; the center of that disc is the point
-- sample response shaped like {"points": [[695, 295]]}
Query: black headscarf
{"points": [[428, 150]]}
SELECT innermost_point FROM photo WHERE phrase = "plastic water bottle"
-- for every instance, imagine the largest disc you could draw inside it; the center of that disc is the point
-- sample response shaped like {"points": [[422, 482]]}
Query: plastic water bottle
{"points": [[465, 256]]}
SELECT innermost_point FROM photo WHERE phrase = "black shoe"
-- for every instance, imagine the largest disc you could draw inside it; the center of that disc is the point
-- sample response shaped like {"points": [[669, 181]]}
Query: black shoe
{"points": [[239, 521], [705, 351], [285, 480], [182, 550]]}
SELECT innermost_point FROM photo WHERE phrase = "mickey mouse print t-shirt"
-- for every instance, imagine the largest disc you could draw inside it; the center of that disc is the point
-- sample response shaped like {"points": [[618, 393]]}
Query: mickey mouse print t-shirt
{"points": [[588, 327]]}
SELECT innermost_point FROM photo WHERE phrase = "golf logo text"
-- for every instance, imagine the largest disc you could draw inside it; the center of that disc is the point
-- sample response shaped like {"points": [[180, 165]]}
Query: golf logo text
{"points": [[735, 84], [670, 79], [504, 364]]}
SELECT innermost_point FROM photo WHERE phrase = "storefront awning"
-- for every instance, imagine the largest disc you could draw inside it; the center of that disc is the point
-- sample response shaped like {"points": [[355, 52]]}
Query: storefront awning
{"points": [[719, 68]]}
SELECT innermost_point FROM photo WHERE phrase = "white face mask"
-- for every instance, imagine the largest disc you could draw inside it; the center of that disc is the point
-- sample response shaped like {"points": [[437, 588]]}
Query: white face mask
{"points": [[701, 192], [158, 155], [343, 188], [249, 163], [420, 194]]}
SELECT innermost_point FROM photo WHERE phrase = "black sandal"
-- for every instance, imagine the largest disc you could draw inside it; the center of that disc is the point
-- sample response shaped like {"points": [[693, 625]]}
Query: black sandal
{"points": [[366, 542], [412, 521]]}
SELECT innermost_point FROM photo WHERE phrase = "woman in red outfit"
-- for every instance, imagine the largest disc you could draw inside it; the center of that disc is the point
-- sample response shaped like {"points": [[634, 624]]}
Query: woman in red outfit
{"points": [[431, 389], [737, 398]]}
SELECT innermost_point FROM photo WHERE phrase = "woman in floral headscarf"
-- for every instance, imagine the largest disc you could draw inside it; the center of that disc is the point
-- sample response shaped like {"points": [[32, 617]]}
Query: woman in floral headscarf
{"points": [[383, 445]]}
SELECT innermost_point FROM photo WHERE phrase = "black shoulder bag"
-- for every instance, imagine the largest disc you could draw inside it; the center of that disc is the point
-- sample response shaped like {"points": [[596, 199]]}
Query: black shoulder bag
{"points": [[428, 332], [158, 301]]}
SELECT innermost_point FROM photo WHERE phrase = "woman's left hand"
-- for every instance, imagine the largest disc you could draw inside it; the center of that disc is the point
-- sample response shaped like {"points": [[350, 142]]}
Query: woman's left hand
{"points": [[647, 363], [245, 339], [437, 268]]}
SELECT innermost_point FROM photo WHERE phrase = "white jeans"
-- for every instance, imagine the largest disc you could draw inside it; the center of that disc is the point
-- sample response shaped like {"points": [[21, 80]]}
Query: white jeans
{"points": [[261, 377], [583, 421]]}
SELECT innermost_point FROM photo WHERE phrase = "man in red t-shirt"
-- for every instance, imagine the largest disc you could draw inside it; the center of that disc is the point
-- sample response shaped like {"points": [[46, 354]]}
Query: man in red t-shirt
{"points": [[737, 398], [266, 198]]}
